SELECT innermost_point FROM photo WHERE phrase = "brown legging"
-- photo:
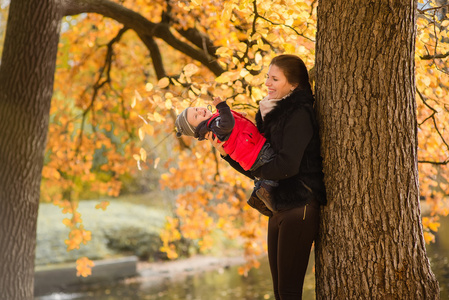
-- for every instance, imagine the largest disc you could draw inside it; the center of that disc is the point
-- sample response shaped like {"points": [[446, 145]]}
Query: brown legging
{"points": [[290, 237]]}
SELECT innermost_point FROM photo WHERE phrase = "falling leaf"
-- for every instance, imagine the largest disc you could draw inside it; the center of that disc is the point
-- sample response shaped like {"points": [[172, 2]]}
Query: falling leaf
{"points": [[156, 162]]}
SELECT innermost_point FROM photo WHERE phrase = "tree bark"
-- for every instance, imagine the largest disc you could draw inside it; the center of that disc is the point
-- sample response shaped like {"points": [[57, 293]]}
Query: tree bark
{"points": [[371, 242], [26, 85]]}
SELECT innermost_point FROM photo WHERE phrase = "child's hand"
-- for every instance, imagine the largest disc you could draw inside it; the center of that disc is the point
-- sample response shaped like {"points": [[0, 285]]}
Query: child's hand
{"points": [[216, 101]]}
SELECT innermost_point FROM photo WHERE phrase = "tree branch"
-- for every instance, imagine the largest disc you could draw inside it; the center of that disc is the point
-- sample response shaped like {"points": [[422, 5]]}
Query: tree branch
{"points": [[141, 26], [155, 54], [432, 116], [422, 11], [429, 56], [434, 162], [200, 40], [100, 82]]}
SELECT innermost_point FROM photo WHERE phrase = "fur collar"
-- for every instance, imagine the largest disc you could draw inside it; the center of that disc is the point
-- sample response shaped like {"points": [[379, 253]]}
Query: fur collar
{"points": [[284, 107]]}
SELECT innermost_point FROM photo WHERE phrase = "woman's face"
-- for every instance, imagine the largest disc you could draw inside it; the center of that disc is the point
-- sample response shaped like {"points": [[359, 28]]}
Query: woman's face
{"points": [[277, 84]]}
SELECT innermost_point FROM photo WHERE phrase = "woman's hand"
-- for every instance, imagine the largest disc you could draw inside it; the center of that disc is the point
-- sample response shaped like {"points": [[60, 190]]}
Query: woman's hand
{"points": [[217, 145]]}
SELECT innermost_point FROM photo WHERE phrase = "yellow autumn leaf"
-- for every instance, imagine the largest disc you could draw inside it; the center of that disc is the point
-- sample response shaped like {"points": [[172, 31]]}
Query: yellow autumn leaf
{"points": [[156, 162], [157, 117], [138, 96], [149, 129], [163, 83], [168, 104], [434, 226], [195, 90], [190, 69], [221, 50], [223, 78], [176, 82], [103, 205], [149, 87], [133, 102], [244, 72], [192, 95], [428, 237], [67, 222], [143, 154], [141, 133]]}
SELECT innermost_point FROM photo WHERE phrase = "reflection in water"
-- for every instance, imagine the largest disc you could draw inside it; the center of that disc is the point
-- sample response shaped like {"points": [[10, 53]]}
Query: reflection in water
{"points": [[223, 284], [226, 284]]}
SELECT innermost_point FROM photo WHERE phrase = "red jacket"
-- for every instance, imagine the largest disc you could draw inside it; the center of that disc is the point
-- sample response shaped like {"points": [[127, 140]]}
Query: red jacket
{"points": [[245, 141]]}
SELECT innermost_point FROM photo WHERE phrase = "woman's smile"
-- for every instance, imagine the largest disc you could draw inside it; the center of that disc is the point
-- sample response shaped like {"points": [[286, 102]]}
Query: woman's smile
{"points": [[277, 84]]}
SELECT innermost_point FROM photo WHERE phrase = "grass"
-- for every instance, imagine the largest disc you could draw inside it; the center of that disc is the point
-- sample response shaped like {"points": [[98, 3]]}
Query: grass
{"points": [[114, 231]]}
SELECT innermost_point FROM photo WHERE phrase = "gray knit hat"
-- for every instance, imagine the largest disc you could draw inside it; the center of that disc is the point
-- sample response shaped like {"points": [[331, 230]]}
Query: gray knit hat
{"points": [[183, 126]]}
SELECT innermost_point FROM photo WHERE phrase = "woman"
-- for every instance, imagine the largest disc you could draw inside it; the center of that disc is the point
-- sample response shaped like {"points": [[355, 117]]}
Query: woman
{"points": [[286, 117]]}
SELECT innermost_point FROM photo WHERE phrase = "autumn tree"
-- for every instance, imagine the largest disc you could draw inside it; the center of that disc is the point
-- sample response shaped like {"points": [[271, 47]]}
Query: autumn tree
{"points": [[371, 244], [125, 68]]}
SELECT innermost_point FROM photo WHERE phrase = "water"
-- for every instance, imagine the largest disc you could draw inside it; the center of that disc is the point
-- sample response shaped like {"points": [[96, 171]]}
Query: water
{"points": [[227, 284], [222, 284]]}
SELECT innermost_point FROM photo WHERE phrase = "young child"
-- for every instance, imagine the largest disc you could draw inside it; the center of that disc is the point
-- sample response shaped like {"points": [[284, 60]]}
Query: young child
{"points": [[241, 141]]}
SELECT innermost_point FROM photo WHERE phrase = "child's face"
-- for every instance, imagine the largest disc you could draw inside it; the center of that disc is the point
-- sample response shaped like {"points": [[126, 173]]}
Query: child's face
{"points": [[196, 115]]}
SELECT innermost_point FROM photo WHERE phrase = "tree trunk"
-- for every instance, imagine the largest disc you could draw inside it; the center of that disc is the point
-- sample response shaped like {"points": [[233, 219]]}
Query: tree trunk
{"points": [[371, 242], [26, 85]]}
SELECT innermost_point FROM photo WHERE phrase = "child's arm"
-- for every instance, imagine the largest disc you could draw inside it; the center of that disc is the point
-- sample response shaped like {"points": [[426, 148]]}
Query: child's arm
{"points": [[217, 100], [225, 123]]}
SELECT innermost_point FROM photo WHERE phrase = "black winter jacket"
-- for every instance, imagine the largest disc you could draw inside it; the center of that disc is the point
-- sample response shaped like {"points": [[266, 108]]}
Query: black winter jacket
{"points": [[292, 131]]}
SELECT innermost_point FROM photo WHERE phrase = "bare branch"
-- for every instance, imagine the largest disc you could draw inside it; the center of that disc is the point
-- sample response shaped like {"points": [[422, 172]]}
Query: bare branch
{"points": [[434, 162], [432, 116], [422, 11], [429, 57]]}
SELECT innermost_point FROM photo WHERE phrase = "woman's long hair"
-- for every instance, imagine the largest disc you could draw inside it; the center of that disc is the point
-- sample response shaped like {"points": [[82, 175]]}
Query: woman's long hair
{"points": [[294, 70]]}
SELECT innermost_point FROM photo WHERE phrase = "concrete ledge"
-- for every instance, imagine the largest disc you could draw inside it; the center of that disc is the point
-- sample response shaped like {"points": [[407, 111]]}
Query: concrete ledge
{"points": [[63, 278]]}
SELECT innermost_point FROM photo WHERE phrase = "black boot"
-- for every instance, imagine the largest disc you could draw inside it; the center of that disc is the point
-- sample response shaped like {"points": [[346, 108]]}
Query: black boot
{"points": [[259, 205], [264, 194]]}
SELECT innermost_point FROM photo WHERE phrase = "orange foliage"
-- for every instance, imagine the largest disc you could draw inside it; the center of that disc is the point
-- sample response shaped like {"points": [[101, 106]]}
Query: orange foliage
{"points": [[84, 267]]}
